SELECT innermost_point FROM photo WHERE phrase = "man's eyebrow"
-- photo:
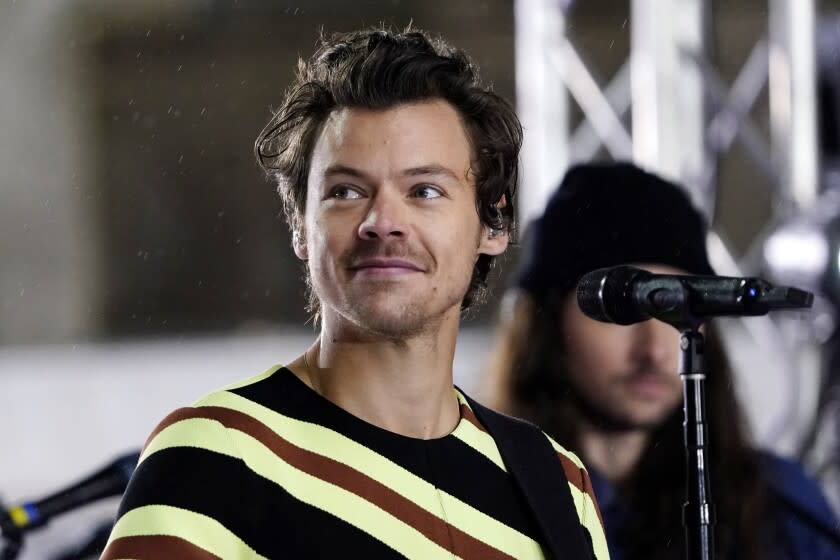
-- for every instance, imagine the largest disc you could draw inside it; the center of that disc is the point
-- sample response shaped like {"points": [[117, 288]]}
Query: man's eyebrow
{"points": [[338, 169], [431, 169]]}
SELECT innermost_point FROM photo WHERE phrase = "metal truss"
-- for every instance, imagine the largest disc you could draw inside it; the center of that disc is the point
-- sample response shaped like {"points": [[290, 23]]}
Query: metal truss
{"points": [[669, 85]]}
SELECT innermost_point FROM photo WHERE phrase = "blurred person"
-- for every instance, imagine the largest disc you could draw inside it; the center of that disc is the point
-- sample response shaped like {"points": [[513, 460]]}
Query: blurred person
{"points": [[397, 169], [612, 393]]}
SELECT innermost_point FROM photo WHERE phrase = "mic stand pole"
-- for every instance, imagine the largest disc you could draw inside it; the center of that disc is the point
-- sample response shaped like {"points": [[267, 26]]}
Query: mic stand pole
{"points": [[698, 510], [11, 538]]}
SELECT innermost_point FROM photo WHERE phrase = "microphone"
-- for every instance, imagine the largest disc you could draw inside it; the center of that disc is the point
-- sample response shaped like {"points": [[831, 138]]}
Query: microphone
{"points": [[109, 481], [627, 295]]}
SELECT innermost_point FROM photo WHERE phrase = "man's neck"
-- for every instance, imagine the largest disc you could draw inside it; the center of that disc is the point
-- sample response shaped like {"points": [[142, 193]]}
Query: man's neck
{"points": [[613, 454], [400, 385]]}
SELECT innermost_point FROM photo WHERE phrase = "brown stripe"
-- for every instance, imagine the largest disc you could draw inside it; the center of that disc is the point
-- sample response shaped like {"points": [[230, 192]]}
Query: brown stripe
{"points": [[154, 547], [587, 484], [469, 415], [580, 479], [172, 418], [334, 472], [573, 472]]}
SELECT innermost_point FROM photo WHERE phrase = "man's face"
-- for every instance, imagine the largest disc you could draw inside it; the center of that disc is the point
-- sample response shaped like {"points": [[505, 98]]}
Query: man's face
{"points": [[626, 374], [391, 231]]}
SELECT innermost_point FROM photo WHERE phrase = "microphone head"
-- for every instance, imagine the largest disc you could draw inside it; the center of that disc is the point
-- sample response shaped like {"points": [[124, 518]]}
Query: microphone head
{"points": [[606, 295]]}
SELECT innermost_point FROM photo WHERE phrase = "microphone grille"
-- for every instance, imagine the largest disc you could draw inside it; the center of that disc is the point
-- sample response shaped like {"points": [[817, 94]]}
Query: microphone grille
{"points": [[589, 294], [604, 295]]}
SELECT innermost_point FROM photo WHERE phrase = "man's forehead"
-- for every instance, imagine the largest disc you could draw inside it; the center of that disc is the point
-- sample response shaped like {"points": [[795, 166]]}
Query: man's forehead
{"points": [[400, 122], [413, 138]]}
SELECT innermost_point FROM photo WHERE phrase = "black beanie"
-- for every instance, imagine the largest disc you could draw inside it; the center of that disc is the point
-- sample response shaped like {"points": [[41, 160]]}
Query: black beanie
{"points": [[607, 215]]}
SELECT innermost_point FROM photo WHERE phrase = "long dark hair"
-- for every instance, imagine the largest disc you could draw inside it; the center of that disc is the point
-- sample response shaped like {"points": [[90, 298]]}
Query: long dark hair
{"points": [[380, 69], [528, 379]]}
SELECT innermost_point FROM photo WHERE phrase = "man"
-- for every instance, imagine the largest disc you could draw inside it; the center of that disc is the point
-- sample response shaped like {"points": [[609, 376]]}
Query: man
{"points": [[612, 393], [397, 170]]}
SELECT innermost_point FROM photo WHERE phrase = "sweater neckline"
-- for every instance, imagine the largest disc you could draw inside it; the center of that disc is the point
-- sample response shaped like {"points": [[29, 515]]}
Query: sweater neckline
{"points": [[314, 398]]}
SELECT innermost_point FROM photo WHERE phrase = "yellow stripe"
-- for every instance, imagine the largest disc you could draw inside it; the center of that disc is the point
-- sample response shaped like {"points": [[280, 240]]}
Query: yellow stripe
{"points": [[571, 456], [211, 433], [588, 516], [202, 531], [337, 501], [522, 548], [478, 439], [328, 443], [592, 523], [305, 487], [585, 506], [253, 379], [462, 399]]}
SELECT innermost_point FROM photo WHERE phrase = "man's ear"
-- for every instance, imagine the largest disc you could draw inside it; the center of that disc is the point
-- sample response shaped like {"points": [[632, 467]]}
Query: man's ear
{"points": [[493, 242], [299, 245]]}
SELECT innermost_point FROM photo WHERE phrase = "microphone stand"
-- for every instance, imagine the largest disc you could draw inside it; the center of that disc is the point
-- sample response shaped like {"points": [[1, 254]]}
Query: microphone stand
{"points": [[757, 298], [12, 538], [108, 481], [626, 295], [698, 510]]}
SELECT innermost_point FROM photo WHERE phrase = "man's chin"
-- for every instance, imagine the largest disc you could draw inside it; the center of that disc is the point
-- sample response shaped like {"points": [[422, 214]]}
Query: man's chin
{"points": [[622, 419], [392, 315], [391, 323]]}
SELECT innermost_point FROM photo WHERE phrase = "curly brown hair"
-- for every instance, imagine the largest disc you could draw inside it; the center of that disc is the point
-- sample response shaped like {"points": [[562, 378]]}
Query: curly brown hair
{"points": [[380, 69]]}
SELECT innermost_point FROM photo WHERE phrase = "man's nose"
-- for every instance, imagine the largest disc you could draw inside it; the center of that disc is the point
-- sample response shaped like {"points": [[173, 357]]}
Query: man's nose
{"points": [[657, 343], [385, 217]]}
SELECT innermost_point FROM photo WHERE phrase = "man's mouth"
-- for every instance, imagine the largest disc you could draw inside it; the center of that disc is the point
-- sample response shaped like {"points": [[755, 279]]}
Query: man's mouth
{"points": [[385, 267], [649, 385]]}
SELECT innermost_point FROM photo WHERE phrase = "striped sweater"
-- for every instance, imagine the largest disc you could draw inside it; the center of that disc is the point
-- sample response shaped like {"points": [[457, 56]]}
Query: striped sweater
{"points": [[268, 468]]}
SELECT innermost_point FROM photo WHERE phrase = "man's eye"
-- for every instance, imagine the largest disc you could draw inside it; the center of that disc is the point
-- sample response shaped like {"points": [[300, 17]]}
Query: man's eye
{"points": [[427, 191], [345, 193]]}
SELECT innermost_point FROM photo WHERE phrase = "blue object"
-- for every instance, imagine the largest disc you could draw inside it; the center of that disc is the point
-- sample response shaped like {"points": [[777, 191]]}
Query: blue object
{"points": [[32, 512]]}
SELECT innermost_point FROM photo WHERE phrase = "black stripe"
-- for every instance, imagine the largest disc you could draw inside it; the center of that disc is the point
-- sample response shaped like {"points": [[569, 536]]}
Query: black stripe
{"points": [[470, 476], [261, 513], [286, 394]]}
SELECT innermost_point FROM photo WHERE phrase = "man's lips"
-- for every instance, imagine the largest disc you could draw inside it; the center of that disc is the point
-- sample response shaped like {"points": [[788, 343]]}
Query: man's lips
{"points": [[648, 385], [385, 266]]}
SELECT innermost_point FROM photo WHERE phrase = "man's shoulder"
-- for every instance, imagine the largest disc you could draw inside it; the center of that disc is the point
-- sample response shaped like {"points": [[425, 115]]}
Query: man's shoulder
{"points": [[789, 479], [240, 385], [519, 425], [205, 424], [569, 460], [785, 474], [565, 453]]}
